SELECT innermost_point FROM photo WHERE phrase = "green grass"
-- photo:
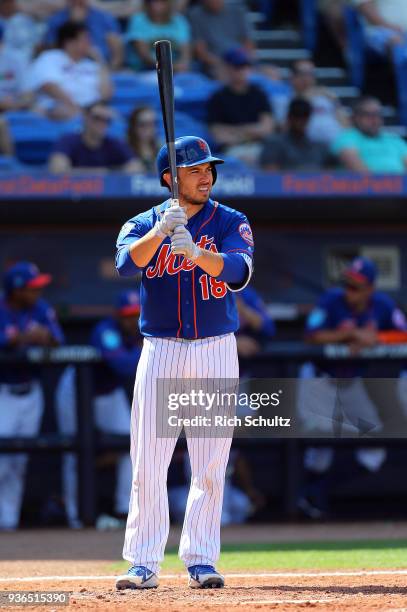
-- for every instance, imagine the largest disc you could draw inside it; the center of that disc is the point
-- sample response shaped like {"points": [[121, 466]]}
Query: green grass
{"points": [[352, 555]]}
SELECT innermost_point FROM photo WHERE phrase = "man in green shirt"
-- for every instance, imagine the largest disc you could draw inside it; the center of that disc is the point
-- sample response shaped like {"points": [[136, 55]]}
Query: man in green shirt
{"points": [[367, 147]]}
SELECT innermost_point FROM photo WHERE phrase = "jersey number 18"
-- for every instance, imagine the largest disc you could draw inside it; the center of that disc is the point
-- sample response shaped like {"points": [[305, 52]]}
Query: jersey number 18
{"points": [[215, 287]]}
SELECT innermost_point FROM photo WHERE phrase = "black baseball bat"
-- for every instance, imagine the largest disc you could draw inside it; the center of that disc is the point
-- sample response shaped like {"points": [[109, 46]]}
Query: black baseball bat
{"points": [[166, 88]]}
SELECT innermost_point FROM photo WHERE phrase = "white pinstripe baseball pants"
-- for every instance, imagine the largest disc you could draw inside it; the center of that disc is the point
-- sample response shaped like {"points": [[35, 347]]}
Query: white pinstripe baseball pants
{"points": [[148, 519]]}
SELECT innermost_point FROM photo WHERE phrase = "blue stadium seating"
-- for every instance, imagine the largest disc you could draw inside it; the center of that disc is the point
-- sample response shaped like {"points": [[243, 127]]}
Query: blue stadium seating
{"points": [[308, 17], [185, 125], [35, 135], [400, 70], [278, 92], [134, 89], [266, 7], [9, 164], [356, 47], [309, 22], [191, 91]]}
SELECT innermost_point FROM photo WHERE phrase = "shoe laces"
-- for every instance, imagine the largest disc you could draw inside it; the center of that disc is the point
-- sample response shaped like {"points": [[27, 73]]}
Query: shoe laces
{"points": [[204, 569], [139, 570]]}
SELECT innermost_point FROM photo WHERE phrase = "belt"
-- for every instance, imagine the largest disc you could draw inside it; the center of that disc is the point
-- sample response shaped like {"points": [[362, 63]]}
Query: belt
{"points": [[18, 389], [195, 339]]}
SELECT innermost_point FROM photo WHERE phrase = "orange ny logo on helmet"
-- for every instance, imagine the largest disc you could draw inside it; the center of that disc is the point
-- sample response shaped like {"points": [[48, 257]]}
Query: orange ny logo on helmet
{"points": [[202, 144]]}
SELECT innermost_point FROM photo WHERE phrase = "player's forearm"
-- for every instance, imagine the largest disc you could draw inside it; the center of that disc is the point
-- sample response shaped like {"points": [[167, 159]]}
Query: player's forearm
{"points": [[211, 263], [144, 249], [228, 267]]}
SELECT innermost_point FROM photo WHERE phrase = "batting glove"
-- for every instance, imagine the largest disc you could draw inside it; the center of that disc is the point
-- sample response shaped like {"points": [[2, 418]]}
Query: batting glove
{"points": [[182, 244], [173, 216]]}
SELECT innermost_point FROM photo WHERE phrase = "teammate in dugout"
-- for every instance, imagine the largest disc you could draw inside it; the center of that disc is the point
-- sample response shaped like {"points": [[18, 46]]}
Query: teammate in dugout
{"points": [[358, 316], [119, 342], [26, 320], [193, 257]]}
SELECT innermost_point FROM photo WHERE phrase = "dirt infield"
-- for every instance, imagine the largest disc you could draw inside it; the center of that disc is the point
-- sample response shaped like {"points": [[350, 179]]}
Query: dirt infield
{"points": [[81, 563], [384, 592]]}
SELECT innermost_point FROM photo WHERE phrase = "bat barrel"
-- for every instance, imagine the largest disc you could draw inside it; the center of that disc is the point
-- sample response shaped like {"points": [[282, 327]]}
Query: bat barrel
{"points": [[166, 88]]}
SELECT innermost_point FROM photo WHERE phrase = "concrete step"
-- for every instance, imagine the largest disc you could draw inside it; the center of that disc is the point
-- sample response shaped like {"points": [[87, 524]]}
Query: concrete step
{"points": [[281, 56], [332, 76], [271, 39], [255, 17], [277, 35], [347, 95]]}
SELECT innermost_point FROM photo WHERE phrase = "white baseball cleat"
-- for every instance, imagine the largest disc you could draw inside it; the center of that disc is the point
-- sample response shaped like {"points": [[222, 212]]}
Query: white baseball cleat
{"points": [[205, 577], [138, 577]]}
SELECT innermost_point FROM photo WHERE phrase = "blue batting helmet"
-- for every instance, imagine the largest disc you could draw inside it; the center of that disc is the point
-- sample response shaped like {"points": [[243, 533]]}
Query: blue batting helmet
{"points": [[190, 151]]}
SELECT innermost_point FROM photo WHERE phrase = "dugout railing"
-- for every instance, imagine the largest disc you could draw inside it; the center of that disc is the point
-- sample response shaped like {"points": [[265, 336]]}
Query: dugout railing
{"points": [[282, 357]]}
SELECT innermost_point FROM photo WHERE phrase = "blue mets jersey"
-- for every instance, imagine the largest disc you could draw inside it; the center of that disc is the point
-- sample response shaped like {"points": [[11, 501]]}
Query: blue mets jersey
{"points": [[252, 299], [120, 353], [333, 312], [178, 299], [13, 321]]}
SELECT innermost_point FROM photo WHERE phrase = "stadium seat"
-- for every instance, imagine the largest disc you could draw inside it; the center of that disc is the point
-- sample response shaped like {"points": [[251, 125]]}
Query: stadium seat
{"points": [[278, 92], [132, 90], [309, 22], [400, 71], [9, 164], [192, 90], [185, 125], [356, 47], [266, 8], [35, 135]]}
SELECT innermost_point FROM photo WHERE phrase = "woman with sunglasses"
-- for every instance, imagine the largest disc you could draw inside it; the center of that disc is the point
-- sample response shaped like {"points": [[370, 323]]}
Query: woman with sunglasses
{"points": [[142, 137]]}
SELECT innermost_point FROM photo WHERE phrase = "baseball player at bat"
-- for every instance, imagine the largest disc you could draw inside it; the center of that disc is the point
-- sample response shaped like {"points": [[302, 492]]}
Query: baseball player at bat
{"points": [[193, 257]]}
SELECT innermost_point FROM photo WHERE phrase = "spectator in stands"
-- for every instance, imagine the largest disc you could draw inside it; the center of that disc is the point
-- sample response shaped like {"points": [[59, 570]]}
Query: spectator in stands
{"points": [[22, 30], [142, 137], [256, 326], [66, 78], [354, 315], [13, 93], [103, 29], [120, 343], [367, 147], [121, 9], [158, 21], [292, 149], [41, 9], [217, 27], [332, 12], [328, 117], [26, 320], [239, 114], [92, 149], [385, 22]]}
